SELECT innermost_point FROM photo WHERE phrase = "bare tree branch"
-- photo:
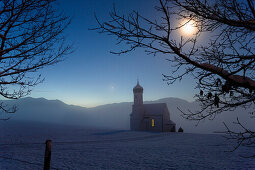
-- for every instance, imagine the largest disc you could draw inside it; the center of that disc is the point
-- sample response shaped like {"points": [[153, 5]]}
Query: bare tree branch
{"points": [[223, 64], [31, 37]]}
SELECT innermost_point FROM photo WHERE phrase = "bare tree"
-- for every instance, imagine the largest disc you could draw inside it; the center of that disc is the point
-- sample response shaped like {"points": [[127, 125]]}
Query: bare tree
{"points": [[220, 55], [31, 37]]}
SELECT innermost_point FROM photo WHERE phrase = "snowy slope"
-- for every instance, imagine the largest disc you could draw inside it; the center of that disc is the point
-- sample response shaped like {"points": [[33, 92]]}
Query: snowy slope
{"points": [[81, 148]]}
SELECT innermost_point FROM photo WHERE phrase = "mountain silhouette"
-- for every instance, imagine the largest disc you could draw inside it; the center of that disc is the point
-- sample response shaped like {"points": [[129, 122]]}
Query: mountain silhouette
{"points": [[116, 116]]}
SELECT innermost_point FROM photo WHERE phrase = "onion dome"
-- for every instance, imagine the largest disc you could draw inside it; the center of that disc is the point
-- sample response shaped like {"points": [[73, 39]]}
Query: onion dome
{"points": [[138, 88]]}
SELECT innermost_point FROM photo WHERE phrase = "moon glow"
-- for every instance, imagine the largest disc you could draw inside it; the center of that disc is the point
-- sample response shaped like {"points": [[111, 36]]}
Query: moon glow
{"points": [[188, 27]]}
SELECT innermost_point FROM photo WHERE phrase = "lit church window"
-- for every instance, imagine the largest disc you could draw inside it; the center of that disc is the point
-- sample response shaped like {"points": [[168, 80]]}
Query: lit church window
{"points": [[152, 123]]}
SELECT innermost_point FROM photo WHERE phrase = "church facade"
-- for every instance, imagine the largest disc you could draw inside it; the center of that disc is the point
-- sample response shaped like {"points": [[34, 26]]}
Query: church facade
{"points": [[149, 117]]}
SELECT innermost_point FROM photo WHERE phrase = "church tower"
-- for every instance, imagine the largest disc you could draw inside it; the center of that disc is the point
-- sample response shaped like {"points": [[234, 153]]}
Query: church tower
{"points": [[138, 94], [136, 117]]}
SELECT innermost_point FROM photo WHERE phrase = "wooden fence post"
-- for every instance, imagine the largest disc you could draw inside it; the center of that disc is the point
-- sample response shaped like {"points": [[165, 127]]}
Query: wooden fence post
{"points": [[47, 155]]}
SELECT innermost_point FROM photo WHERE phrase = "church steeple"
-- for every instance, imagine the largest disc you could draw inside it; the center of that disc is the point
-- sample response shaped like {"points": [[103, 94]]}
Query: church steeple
{"points": [[138, 94]]}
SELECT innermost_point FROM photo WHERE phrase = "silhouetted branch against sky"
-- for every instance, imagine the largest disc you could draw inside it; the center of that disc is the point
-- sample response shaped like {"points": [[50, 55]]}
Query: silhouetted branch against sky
{"points": [[31, 37], [213, 41]]}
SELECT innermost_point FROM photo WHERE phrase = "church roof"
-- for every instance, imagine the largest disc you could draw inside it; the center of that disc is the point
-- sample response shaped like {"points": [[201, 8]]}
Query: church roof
{"points": [[155, 108]]}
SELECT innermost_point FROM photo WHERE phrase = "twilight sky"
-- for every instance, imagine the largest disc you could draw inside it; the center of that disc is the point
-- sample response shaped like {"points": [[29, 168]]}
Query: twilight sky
{"points": [[93, 76]]}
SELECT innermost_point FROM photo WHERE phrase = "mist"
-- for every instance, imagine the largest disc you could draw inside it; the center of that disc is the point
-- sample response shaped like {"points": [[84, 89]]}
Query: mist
{"points": [[116, 116]]}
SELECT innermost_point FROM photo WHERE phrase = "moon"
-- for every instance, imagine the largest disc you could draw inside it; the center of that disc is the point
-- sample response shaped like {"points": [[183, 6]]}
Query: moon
{"points": [[188, 27]]}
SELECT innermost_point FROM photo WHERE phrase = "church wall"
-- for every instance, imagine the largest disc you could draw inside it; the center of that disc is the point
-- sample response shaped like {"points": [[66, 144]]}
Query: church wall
{"points": [[166, 115], [135, 122], [136, 117], [157, 123], [168, 127], [132, 124]]}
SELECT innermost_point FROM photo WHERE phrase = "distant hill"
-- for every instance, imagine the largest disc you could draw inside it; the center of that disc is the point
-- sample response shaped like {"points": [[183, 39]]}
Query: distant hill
{"points": [[115, 116]]}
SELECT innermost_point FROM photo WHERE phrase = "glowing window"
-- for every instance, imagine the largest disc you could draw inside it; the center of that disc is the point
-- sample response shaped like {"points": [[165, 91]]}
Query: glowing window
{"points": [[152, 122]]}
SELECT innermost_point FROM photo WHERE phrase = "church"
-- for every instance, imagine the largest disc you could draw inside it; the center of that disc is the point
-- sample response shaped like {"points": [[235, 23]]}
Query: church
{"points": [[149, 117]]}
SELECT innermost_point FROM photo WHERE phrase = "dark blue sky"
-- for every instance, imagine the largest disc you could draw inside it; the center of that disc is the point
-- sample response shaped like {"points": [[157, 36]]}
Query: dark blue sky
{"points": [[92, 75]]}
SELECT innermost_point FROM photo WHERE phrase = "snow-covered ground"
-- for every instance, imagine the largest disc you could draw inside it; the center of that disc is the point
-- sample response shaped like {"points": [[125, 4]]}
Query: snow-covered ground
{"points": [[22, 147]]}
